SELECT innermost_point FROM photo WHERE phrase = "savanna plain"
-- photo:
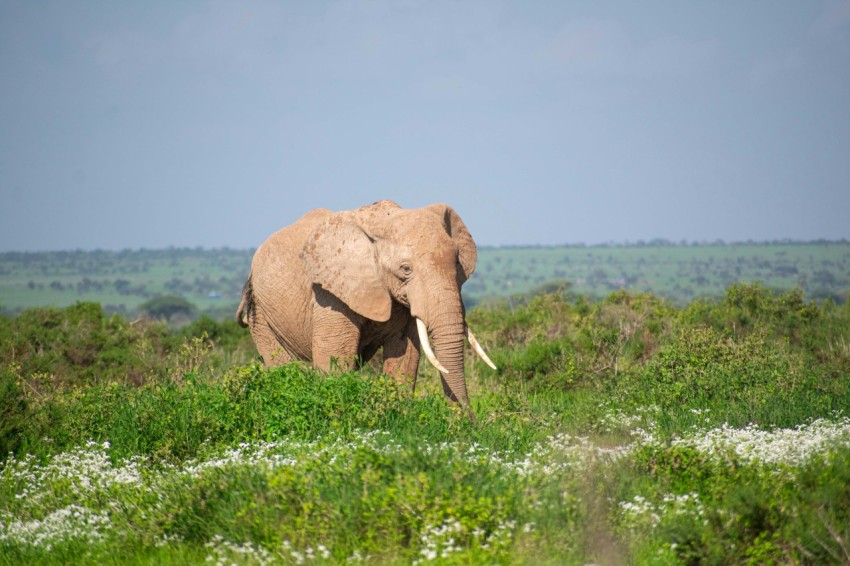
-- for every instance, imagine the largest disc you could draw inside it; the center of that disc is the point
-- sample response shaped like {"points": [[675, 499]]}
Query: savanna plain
{"points": [[624, 427]]}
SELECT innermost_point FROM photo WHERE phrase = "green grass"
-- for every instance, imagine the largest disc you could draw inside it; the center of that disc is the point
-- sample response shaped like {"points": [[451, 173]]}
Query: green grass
{"points": [[678, 272], [121, 281], [616, 431]]}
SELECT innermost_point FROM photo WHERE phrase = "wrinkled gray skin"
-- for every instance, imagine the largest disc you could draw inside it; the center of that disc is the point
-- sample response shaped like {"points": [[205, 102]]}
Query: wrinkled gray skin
{"points": [[336, 286]]}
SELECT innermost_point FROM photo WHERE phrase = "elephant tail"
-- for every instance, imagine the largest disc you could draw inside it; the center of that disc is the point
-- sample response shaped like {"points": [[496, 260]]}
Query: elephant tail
{"points": [[246, 305]]}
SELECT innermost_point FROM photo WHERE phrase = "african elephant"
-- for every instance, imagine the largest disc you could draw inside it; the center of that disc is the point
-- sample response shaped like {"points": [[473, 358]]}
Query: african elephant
{"points": [[334, 287]]}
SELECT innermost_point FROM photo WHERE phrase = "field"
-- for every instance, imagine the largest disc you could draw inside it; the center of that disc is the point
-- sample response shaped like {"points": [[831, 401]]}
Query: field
{"points": [[678, 272], [212, 279], [121, 281], [623, 430]]}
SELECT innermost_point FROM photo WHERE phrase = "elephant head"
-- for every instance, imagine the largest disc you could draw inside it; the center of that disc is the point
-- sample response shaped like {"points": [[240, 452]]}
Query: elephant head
{"points": [[380, 255]]}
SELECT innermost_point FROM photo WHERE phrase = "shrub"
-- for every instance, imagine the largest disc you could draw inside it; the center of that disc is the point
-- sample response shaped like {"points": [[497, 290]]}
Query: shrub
{"points": [[206, 455], [14, 410], [82, 345], [168, 308], [556, 344], [752, 307], [702, 366]]}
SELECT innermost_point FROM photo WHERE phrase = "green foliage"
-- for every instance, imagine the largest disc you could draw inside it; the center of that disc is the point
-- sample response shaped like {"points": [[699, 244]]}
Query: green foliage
{"points": [[698, 506], [391, 494], [121, 281], [167, 308], [82, 345], [701, 366], [213, 279], [767, 356], [556, 342], [79, 344], [678, 272], [751, 306], [13, 409], [615, 431], [227, 334]]}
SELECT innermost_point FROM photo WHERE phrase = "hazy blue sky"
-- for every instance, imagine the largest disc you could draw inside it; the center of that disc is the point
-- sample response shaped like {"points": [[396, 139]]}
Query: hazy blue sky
{"points": [[214, 123]]}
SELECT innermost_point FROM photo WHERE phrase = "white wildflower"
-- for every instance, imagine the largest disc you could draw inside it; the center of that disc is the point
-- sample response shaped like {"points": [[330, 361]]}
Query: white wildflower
{"points": [[71, 522], [789, 447], [224, 552], [640, 511]]}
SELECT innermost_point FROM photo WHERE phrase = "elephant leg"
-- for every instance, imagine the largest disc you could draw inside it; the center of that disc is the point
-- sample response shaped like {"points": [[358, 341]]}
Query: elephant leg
{"points": [[336, 334], [366, 354], [401, 355], [270, 349]]}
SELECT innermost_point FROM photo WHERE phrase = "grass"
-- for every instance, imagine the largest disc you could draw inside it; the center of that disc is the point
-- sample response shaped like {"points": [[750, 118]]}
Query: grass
{"points": [[623, 430], [121, 281], [678, 272], [212, 279]]}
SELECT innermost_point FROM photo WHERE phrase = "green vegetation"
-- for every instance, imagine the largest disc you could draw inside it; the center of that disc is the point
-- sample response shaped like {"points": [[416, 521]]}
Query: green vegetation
{"points": [[167, 308], [678, 272], [627, 429], [211, 280], [121, 281]]}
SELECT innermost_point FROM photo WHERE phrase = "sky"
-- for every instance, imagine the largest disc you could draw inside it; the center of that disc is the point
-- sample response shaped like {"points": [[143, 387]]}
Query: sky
{"points": [[215, 123]]}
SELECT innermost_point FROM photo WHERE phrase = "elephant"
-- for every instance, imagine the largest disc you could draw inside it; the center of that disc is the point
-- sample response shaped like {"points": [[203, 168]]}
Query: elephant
{"points": [[334, 287]]}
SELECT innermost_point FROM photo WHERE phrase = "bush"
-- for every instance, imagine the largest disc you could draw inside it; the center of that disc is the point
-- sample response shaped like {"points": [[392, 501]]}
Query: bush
{"points": [[554, 343], [14, 410], [751, 307], [81, 345], [167, 308], [701, 367], [190, 451]]}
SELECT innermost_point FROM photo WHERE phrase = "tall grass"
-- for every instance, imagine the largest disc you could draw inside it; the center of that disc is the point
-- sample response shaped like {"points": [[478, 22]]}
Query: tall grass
{"points": [[618, 431]]}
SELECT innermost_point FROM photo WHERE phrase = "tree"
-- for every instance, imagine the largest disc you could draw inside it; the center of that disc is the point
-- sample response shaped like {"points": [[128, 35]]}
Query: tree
{"points": [[167, 307]]}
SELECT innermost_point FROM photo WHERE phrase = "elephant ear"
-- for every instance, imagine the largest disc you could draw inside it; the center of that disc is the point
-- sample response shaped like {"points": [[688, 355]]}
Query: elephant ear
{"points": [[340, 257], [454, 226]]}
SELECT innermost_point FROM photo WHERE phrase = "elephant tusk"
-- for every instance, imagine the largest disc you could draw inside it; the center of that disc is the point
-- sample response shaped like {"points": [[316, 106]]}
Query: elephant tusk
{"points": [[478, 349], [426, 347]]}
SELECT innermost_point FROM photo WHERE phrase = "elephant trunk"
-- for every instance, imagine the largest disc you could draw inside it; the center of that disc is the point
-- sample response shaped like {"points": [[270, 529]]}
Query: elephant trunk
{"points": [[448, 330]]}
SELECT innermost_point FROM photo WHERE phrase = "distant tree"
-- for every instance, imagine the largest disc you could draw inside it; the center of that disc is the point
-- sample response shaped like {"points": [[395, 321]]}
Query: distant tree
{"points": [[167, 307], [173, 284], [599, 275], [561, 286], [121, 286], [824, 278]]}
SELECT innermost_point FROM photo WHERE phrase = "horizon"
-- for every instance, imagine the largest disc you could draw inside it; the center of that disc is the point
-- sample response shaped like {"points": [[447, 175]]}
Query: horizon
{"points": [[655, 243]]}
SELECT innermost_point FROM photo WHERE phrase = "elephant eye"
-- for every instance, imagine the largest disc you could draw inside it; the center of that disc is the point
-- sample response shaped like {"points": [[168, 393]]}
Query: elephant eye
{"points": [[406, 269]]}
